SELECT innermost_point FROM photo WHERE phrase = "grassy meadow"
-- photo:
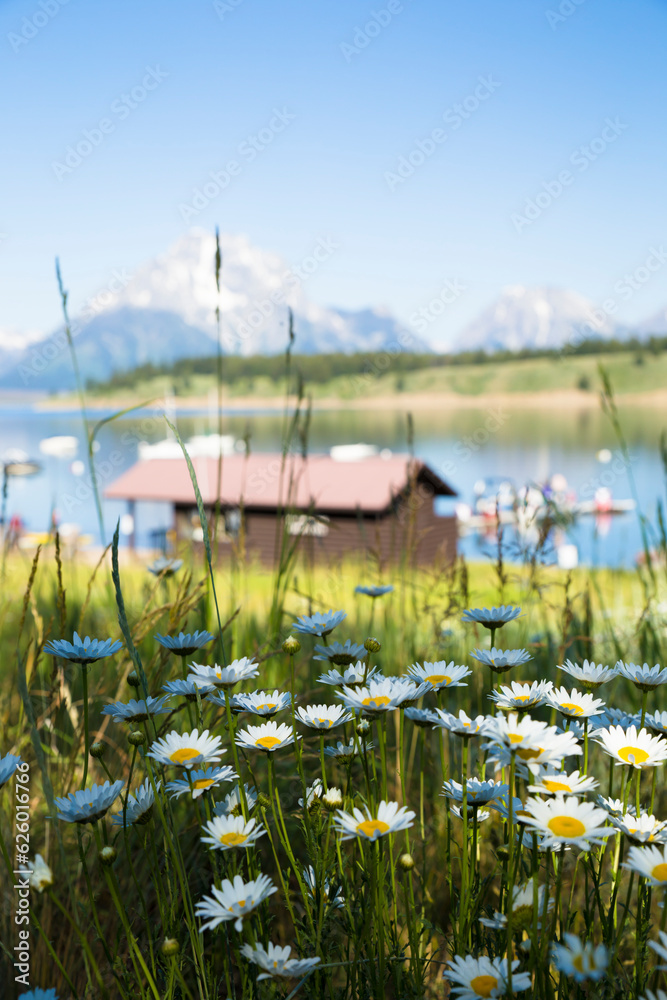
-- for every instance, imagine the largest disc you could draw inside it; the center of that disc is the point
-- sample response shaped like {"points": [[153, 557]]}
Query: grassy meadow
{"points": [[415, 915]]}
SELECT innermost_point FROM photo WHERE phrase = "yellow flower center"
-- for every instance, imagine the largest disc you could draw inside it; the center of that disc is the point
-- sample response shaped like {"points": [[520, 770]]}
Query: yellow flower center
{"points": [[183, 755], [571, 709], [267, 707], [659, 873], [555, 786], [527, 754], [379, 699], [371, 826], [241, 903], [203, 783], [521, 697], [484, 985], [515, 738], [233, 839], [639, 755], [437, 678], [578, 963], [267, 742], [325, 722], [566, 826]]}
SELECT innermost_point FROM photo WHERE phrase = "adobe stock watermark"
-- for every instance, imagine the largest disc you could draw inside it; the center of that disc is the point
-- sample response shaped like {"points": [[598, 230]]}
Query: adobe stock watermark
{"points": [[261, 310], [581, 159], [454, 117], [421, 319], [224, 7], [43, 354], [120, 109], [35, 22], [625, 288], [22, 951], [565, 10], [375, 25], [247, 151]]}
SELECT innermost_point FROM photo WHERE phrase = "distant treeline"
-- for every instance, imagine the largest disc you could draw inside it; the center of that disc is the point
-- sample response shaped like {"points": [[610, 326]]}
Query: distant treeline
{"points": [[321, 368]]}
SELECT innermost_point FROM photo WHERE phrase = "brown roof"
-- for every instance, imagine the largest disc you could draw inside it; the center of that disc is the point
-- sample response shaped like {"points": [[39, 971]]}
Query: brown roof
{"points": [[319, 482]]}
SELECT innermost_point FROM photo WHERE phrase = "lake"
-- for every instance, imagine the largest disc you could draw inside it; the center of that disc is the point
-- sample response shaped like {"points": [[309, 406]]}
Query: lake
{"points": [[464, 446]]}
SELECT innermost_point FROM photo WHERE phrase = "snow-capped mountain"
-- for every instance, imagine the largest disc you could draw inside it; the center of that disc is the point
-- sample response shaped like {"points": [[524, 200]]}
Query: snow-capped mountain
{"points": [[166, 311], [534, 318]]}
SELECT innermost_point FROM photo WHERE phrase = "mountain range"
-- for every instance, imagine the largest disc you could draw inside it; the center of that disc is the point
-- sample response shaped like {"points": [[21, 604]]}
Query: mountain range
{"points": [[166, 310]]}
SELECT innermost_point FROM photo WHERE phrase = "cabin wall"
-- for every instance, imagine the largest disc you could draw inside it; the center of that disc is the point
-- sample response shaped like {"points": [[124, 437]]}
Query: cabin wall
{"points": [[429, 537]]}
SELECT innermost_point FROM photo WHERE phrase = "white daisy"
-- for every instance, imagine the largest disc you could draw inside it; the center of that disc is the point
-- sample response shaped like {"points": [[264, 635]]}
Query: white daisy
{"points": [[313, 792], [39, 874], [660, 948], [581, 961], [137, 711], [233, 901], [263, 702], [657, 723], [225, 677], [389, 819], [268, 737], [492, 618], [323, 716], [381, 695], [201, 781], [644, 677], [351, 675], [523, 900], [344, 751], [534, 743], [422, 717], [614, 807], [480, 978], [187, 749], [644, 829], [477, 792], [439, 674], [574, 704], [88, 804], [638, 749], [336, 901], [139, 806], [231, 804], [462, 725], [226, 832], [552, 782], [590, 674], [277, 962], [566, 820], [650, 862], [521, 696]]}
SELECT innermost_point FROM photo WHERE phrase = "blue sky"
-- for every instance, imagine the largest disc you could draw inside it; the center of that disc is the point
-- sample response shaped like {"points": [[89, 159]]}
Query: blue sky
{"points": [[556, 72]]}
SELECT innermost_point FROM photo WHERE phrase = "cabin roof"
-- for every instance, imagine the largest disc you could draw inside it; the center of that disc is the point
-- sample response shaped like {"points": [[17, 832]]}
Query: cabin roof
{"points": [[320, 483]]}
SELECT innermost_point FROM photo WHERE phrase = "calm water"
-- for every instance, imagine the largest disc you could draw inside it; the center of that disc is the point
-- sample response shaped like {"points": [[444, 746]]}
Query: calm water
{"points": [[463, 447]]}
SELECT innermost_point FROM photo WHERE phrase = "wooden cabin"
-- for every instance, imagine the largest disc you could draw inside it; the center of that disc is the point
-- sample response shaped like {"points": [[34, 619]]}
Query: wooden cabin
{"points": [[383, 502]]}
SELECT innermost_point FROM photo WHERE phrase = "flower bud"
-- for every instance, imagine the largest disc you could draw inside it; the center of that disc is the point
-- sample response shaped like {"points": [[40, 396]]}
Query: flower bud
{"points": [[263, 801], [170, 947], [136, 738], [406, 862], [291, 645], [97, 750], [332, 799], [372, 644], [108, 855], [363, 727], [133, 679]]}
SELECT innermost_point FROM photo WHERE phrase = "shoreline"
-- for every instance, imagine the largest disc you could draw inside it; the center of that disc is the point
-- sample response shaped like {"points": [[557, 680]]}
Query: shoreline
{"points": [[569, 398]]}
